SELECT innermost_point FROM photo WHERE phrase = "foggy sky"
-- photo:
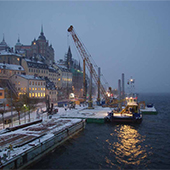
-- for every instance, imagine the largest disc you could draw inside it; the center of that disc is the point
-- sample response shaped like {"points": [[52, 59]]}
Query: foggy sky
{"points": [[122, 37]]}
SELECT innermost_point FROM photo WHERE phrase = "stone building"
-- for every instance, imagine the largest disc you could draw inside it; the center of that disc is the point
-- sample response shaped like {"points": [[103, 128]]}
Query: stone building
{"points": [[3, 45], [10, 57], [29, 84], [40, 47]]}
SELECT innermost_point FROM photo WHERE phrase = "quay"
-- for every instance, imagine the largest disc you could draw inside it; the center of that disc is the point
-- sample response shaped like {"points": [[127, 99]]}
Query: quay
{"points": [[22, 147]]}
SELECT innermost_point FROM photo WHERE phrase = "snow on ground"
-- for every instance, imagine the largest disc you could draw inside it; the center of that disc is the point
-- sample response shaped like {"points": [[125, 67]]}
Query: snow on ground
{"points": [[45, 130], [78, 112]]}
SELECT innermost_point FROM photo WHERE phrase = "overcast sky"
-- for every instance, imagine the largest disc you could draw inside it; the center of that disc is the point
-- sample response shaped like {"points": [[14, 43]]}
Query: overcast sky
{"points": [[122, 37]]}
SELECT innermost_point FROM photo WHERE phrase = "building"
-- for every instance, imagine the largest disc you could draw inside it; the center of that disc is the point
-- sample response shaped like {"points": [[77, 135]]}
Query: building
{"points": [[8, 70], [3, 45], [77, 74], [35, 67], [2, 95], [10, 57], [64, 81], [38, 47], [29, 84]]}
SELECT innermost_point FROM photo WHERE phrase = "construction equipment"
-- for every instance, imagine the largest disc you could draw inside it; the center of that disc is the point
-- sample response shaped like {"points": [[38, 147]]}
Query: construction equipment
{"points": [[85, 56]]}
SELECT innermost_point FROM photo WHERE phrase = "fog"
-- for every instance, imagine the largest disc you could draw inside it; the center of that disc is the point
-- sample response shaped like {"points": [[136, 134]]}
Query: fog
{"points": [[122, 37]]}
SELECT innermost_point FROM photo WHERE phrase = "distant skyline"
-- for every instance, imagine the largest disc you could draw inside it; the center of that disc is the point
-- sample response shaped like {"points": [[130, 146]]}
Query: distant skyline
{"points": [[122, 36]]}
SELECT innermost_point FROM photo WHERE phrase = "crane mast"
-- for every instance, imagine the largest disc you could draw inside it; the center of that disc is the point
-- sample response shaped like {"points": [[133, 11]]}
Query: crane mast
{"points": [[80, 47]]}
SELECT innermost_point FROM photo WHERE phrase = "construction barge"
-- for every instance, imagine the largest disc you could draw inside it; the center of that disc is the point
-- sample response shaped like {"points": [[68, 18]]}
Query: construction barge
{"points": [[20, 148]]}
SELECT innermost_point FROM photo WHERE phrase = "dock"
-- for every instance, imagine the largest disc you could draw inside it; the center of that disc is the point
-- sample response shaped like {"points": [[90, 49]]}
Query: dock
{"points": [[22, 147], [95, 115]]}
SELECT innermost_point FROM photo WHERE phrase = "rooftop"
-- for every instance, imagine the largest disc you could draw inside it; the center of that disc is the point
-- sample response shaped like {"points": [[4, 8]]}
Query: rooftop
{"points": [[11, 67]]}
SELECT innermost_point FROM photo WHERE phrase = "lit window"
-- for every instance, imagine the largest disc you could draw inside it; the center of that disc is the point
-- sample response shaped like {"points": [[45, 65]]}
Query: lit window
{"points": [[29, 94], [18, 83], [35, 94], [38, 94], [21, 88], [32, 94], [35, 88], [44, 94], [34, 43], [41, 88], [44, 89], [41, 94], [32, 89], [38, 88], [25, 89]]}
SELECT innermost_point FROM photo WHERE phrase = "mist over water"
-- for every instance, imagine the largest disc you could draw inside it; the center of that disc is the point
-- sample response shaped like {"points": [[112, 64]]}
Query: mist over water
{"points": [[115, 146]]}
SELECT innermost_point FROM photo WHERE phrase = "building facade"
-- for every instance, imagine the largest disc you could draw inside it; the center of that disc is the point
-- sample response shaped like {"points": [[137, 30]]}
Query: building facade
{"points": [[29, 84], [40, 47]]}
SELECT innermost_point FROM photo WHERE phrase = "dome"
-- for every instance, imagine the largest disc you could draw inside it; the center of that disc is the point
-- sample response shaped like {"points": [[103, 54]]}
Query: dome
{"points": [[18, 43]]}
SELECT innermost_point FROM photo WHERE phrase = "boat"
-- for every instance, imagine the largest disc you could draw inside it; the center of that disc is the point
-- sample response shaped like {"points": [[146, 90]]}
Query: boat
{"points": [[148, 109], [130, 114]]}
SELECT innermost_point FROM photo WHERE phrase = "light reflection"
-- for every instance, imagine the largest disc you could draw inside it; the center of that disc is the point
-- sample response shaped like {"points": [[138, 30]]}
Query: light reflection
{"points": [[128, 148]]}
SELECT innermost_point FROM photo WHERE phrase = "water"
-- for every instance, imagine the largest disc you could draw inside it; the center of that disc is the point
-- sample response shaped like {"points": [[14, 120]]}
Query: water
{"points": [[108, 146]]}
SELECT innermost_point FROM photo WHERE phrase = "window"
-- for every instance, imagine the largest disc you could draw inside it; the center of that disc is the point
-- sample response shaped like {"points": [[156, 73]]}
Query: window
{"points": [[35, 88], [44, 94], [18, 83], [29, 94], [30, 83], [1, 94], [35, 83], [32, 94], [24, 88], [38, 83], [38, 88], [38, 94], [35, 94], [29, 88]]}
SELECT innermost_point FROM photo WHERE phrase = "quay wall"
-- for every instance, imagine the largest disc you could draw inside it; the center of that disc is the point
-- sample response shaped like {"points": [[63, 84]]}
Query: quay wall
{"points": [[38, 151]]}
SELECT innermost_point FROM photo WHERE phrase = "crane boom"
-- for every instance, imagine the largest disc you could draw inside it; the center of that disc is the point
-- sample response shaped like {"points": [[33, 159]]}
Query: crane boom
{"points": [[80, 47]]}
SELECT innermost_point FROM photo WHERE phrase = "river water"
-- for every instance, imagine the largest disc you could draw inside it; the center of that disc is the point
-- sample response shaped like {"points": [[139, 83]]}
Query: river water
{"points": [[115, 146]]}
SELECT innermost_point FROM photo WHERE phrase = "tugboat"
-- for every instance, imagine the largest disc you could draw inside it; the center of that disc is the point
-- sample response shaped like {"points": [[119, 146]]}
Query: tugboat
{"points": [[130, 114]]}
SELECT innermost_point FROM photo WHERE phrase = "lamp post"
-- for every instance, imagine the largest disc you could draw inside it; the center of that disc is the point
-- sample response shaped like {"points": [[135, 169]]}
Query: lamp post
{"points": [[24, 113]]}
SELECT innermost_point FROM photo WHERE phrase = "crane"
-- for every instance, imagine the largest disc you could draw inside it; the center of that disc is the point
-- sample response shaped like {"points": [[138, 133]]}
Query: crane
{"points": [[85, 56]]}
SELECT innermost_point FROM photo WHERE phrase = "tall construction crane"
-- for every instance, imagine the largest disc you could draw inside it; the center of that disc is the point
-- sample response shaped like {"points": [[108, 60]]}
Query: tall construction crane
{"points": [[86, 57]]}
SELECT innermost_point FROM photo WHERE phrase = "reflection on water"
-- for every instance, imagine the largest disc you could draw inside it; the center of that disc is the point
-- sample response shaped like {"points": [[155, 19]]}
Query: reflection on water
{"points": [[128, 150]]}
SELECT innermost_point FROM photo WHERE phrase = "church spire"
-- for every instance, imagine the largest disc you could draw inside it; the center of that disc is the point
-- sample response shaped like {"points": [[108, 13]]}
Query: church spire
{"points": [[41, 28], [3, 38], [18, 39]]}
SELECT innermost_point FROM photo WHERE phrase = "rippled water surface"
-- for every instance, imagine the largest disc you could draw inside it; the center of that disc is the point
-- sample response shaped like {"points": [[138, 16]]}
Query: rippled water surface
{"points": [[115, 146]]}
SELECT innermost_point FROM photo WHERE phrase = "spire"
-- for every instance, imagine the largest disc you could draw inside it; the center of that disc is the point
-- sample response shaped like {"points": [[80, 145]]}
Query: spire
{"points": [[18, 39], [3, 38], [41, 28]]}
